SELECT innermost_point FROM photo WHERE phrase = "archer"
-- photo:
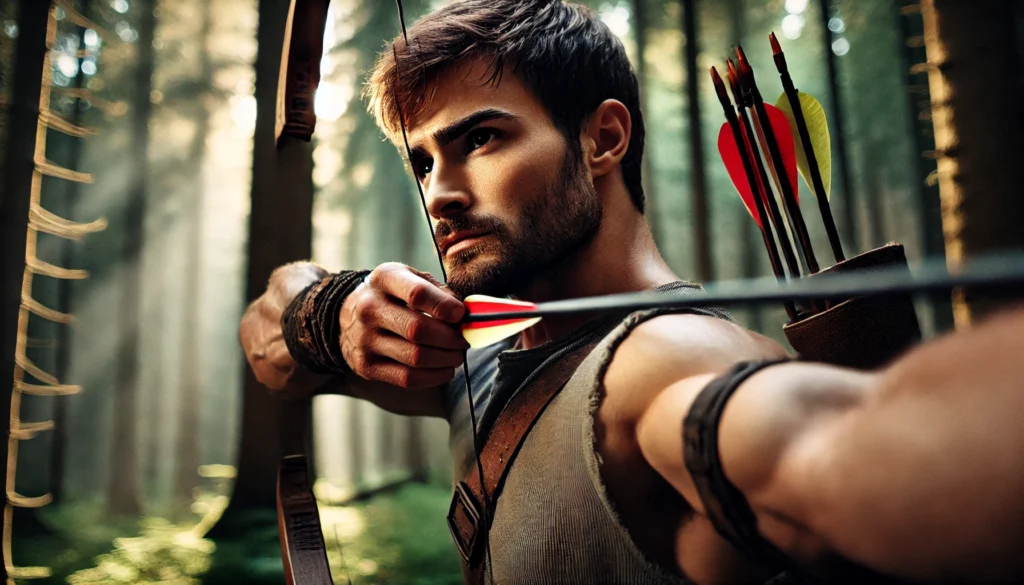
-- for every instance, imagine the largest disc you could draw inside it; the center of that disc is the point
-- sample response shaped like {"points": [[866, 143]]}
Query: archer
{"points": [[658, 459]]}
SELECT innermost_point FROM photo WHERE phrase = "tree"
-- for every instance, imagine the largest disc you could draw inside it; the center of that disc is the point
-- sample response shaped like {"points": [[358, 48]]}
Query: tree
{"points": [[123, 489], [974, 72]]}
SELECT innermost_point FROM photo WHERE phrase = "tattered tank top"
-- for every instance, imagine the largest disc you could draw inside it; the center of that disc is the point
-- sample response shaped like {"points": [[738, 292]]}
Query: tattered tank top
{"points": [[554, 522]]}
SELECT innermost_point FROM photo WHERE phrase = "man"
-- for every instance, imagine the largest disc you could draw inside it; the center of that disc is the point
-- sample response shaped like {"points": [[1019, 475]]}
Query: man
{"points": [[526, 135]]}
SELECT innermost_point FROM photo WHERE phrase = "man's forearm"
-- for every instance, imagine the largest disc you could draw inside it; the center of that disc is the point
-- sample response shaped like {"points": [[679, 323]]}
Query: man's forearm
{"points": [[922, 477], [421, 402]]}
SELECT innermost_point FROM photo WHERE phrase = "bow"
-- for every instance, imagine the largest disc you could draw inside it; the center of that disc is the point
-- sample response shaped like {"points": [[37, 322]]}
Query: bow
{"points": [[303, 551]]}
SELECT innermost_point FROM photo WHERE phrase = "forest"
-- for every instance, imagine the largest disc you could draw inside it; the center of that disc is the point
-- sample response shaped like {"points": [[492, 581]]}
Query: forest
{"points": [[155, 456]]}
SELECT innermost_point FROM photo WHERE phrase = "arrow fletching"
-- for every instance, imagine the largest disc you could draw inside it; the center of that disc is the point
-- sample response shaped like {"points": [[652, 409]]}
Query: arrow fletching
{"points": [[787, 145], [482, 334], [730, 153], [817, 129]]}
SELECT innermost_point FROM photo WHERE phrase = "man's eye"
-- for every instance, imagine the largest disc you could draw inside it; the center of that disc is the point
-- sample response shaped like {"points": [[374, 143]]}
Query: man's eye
{"points": [[480, 137], [423, 167]]}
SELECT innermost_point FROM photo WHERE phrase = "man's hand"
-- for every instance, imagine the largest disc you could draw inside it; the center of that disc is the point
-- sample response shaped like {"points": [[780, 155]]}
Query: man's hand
{"points": [[261, 335], [398, 328]]}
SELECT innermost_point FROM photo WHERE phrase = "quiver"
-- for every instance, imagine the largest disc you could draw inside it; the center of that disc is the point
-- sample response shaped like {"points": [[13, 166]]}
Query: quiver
{"points": [[862, 332]]}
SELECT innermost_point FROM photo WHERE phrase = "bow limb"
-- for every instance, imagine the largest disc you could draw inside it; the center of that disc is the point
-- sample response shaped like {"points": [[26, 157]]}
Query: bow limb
{"points": [[303, 551]]}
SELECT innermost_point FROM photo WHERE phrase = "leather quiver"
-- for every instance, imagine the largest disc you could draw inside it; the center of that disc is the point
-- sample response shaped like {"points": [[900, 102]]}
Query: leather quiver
{"points": [[862, 332]]}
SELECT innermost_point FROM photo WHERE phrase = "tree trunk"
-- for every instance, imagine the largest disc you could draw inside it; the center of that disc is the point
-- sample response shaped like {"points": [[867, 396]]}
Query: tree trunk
{"points": [[280, 229], [647, 175], [922, 135], [974, 74], [62, 358], [123, 490], [695, 134], [839, 133], [187, 447], [19, 167]]}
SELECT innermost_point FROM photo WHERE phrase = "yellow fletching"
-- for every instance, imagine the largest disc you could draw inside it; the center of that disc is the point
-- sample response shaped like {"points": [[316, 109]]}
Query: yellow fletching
{"points": [[484, 336], [817, 129]]}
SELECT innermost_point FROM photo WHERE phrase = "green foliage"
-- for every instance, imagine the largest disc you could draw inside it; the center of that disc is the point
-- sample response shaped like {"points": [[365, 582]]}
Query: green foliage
{"points": [[391, 538], [396, 539], [163, 553]]}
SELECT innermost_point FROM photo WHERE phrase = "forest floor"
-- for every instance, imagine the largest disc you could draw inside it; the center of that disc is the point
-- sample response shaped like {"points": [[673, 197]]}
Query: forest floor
{"points": [[398, 537]]}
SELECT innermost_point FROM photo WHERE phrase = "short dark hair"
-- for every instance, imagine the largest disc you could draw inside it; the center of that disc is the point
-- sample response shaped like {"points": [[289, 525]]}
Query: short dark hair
{"points": [[563, 53]]}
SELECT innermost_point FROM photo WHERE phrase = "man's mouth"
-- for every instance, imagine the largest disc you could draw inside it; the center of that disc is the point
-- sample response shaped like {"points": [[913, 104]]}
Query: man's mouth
{"points": [[460, 241]]}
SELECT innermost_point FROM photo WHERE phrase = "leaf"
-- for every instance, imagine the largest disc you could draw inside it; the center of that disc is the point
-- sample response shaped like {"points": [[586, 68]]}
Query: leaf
{"points": [[817, 130]]}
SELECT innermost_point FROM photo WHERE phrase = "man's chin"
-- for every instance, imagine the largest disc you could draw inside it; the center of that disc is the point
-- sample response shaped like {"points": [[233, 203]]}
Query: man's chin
{"points": [[491, 279]]}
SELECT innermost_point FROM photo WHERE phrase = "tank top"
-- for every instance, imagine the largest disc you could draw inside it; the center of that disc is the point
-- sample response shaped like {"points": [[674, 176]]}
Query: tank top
{"points": [[554, 521]]}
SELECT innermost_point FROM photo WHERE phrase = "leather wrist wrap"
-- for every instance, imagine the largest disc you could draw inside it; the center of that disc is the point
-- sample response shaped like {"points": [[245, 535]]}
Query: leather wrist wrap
{"points": [[311, 325]]}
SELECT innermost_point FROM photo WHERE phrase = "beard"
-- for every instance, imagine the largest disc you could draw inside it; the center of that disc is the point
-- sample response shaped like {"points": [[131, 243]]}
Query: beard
{"points": [[557, 224]]}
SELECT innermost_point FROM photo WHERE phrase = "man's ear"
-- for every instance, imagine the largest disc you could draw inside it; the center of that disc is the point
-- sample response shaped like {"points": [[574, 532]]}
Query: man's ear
{"points": [[606, 137]]}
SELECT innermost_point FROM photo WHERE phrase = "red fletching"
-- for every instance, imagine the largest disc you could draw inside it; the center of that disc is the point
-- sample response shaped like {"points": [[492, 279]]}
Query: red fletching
{"points": [[730, 153], [479, 304], [787, 146]]}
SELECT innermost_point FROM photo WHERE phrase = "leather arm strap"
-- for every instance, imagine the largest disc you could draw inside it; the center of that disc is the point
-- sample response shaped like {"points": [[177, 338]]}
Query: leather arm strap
{"points": [[475, 497]]}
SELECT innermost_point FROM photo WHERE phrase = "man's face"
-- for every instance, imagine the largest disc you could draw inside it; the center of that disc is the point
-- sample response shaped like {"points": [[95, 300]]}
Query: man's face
{"points": [[507, 197]]}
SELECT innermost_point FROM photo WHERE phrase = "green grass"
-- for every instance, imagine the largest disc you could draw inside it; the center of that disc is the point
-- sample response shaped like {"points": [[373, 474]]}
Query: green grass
{"points": [[398, 538]]}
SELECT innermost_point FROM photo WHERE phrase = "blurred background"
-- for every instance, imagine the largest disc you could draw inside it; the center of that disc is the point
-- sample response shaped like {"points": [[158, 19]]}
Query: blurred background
{"points": [[145, 144]]}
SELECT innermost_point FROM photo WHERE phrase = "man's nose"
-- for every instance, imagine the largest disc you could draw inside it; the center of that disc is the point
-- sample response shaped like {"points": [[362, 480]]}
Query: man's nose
{"points": [[446, 198]]}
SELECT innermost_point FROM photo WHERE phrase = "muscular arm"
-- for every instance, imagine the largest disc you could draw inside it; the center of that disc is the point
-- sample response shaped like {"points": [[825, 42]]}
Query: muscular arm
{"points": [[262, 339], [913, 471]]}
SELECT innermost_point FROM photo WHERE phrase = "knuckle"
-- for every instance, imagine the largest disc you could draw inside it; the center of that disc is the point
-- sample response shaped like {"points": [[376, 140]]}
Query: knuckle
{"points": [[415, 330], [418, 294], [415, 355], [364, 308], [381, 272], [403, 377], [358, 360]]}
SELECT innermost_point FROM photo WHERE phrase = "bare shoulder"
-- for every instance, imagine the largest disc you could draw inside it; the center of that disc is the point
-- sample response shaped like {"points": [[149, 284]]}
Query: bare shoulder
{"points": [[669, 348]]}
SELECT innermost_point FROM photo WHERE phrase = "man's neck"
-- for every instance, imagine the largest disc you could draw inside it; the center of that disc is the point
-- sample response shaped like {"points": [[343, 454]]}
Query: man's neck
{"points": [[622, 257]]}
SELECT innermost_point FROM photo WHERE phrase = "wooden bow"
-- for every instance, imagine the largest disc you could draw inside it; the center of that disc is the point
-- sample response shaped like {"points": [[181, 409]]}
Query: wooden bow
{"points": [[303, 550]]}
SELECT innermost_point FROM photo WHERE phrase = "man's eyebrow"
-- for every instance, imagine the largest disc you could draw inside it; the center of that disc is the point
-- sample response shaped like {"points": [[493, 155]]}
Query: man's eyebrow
{"points": [[455, 130]]}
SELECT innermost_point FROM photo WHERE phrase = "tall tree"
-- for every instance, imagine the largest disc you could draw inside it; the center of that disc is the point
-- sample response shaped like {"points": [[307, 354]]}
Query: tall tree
{"points": [[19, 167], [187, 446], [123, 489], [922, 136], [280, 230], [698, 176], [66, 208], [974, 73]]}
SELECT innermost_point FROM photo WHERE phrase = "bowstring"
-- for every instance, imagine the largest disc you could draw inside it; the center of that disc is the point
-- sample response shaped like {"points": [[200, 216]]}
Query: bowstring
{"points": [[444, 277]]}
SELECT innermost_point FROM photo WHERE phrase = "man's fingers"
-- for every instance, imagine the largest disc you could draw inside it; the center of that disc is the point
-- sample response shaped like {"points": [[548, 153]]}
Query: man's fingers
{"points": [[419, 328], [403, 376], [418, 292], [417, 356]]}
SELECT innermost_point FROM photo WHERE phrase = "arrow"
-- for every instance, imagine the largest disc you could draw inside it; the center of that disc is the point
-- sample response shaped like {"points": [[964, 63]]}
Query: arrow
{"points": [[742, 100], [807, 118], [482, 334], [990, 272], [741, 171], [768, 125]]}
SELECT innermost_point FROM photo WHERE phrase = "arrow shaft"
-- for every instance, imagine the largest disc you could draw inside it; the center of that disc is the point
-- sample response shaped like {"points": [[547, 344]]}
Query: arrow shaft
{"points": [[812, 159], [933, 277], [769, 198], [788, 197], [766, 230]]}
